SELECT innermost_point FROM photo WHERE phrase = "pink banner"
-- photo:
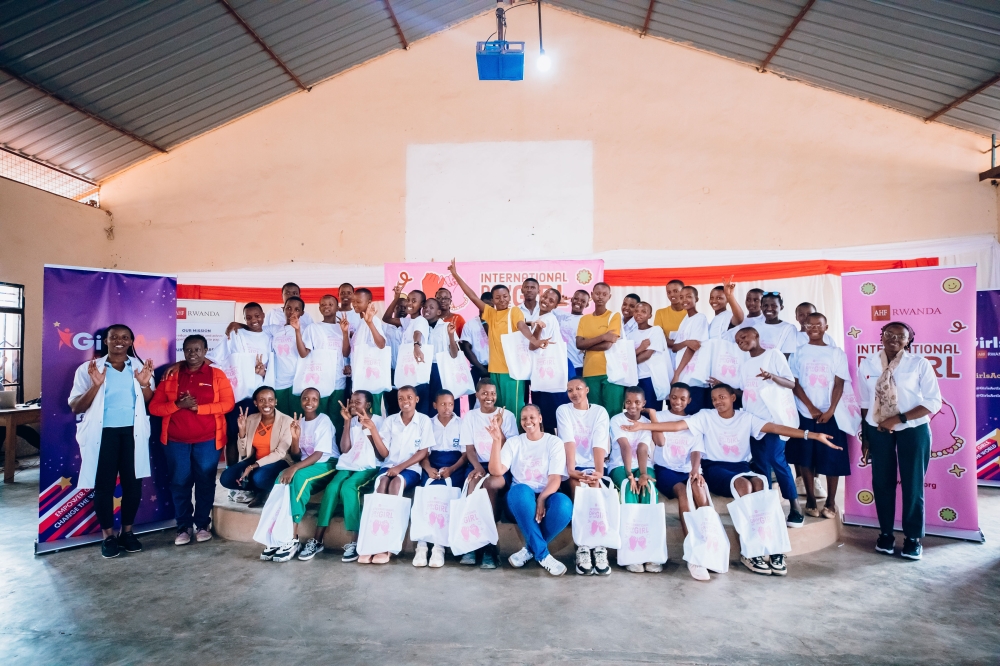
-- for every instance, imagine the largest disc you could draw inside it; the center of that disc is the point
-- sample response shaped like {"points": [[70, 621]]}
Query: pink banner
{"points": [[940, 305], [565, 275]]}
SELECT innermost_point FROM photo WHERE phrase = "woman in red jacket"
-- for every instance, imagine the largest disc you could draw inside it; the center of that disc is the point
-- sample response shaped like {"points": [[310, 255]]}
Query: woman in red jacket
{"points": [[193, 403]]}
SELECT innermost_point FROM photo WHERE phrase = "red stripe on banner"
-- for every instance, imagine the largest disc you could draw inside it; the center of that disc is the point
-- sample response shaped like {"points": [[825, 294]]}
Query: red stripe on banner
{"points": [[260, 294], [656, 277], [68, 505]]}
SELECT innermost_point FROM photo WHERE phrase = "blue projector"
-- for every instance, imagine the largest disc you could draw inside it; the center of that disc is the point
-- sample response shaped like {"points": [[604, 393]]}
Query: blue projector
{"points": [[500, 61]]}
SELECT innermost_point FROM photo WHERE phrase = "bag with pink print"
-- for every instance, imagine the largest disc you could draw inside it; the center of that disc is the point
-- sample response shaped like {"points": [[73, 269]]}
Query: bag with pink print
{"points": [[706, 543], [383, 522], [596, 516], [759, 520], [643, 531], [431, 508], [471, 524]]}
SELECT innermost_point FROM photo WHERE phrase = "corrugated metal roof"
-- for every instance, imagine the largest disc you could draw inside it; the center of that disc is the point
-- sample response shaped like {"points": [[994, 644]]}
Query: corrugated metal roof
{"points": [[166, 72]]}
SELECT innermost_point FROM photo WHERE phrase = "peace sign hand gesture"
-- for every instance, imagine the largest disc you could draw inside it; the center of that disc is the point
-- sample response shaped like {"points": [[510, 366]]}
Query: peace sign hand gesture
{"points": [[296, 427], [259, 367], [345, 325], [370, 313], [344, 412], [241, 421], [729, 286]]}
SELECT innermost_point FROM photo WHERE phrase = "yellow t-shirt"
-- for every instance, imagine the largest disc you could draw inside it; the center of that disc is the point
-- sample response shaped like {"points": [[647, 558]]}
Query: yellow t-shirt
{"points": [[669, 320], [591, 326], [497, 322]]}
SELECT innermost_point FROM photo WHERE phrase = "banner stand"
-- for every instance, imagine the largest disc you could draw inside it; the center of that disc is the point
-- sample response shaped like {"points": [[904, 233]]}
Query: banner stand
{"points": [[76, 542], [950, 532]]}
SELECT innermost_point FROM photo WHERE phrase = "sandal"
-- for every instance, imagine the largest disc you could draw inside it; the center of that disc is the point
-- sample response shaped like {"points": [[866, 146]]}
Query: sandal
{"points": [[830, 513], [364, 559], [812, 511], [381, 558]]}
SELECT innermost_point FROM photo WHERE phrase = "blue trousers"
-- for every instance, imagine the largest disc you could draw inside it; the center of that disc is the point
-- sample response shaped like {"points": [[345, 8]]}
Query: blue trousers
{"points": [[261, 481], [547, 404], [192, 466], [769, 453], [522, 502], [646, 384]]}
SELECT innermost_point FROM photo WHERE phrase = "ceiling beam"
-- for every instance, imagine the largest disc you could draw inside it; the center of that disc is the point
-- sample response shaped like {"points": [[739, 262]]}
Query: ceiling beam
{"points": [[274, 56], [399, 28], [649, 16], [972, 93], [784, 37], [79, 109]]}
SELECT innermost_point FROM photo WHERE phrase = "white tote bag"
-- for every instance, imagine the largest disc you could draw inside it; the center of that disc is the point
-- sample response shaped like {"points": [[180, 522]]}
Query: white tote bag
{"points": [[549, 368], [361, 455], [726, 359], [699, 367], [706, 543], [456, 374], [319, 370], [596, 517], [240, 371], [847, 414], [383, 522], [371, 368], [660, 373], [643, 531], [408, 371], [275, 526], [759, 520], [431, 508], [780, 402], [470, 523], [622, 368], [516, 352]]}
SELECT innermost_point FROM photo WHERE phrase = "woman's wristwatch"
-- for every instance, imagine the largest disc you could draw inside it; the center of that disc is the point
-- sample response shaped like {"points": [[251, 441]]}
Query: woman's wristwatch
{"points": [[902, 417]]}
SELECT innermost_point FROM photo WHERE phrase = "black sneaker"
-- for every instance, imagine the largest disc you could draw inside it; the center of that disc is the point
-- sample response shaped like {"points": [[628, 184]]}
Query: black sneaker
{"points": [[912, 550], [795, 519], [886, 543], [258, 501], [489, 558], [130, 543], [778, 567], [110, 547]]}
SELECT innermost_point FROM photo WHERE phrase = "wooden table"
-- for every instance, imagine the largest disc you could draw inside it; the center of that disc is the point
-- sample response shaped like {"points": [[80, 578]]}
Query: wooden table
{"points": [[11, 418]]}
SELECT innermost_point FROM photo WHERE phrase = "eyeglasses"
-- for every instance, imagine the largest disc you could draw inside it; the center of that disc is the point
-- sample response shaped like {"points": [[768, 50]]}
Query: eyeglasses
{"points": [[896, 337]]}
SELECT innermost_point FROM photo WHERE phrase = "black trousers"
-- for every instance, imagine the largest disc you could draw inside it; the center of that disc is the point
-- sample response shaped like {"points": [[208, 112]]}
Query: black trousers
{"points": [[906, 453], [116, 460]]}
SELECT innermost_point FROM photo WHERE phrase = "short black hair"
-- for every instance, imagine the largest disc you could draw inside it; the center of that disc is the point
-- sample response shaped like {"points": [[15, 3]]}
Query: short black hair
{"points": [[367, 395], [443, 392], [600, 284], [486, 296], [773, 294], [346, 284], [296, 298], [582, 291], [330, 296], [253, 304], [485, 381], [289, 284], [747, 328], [497, 287], [725, 387], [531, 279], [423, 296], [557, 292], [192, 338], [718, 287], [682, 386], [634, 297], [406, 388], [693, 290], [310, 388], [635, 390], [805, 304], [676, 281], [817, 314], [261, 389], [364, 291], [755, 290]]}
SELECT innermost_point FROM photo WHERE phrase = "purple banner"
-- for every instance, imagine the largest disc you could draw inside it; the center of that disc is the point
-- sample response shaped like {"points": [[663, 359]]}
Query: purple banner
{"points": [[988, 388], [78, 305]]}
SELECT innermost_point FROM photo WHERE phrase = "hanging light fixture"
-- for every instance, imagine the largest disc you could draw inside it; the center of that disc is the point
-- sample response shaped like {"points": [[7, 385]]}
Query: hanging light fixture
{"points": [[501, 60]]}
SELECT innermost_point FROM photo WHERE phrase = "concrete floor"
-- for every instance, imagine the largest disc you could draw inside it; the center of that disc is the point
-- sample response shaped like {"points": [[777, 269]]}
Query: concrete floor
{"points": [[216, 603]]}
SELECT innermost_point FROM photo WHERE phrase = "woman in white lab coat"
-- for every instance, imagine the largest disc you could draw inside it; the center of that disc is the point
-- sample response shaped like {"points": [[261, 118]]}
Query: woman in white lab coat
{"points": [[111, 394]]}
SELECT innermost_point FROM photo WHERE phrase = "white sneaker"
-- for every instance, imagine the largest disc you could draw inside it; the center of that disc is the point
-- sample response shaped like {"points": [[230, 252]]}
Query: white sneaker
{"points": [[653, 567], [420, 557], [584, 563], [437, 557], [520, 558], [287, 551], [552, 565], [636, 568], [243, 497], [601, 566], [698, 572], [819, 487]]}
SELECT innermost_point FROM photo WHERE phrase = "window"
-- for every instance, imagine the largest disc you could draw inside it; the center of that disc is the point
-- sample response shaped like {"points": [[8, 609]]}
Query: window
{"points": [[31, 172], [12, 337]]}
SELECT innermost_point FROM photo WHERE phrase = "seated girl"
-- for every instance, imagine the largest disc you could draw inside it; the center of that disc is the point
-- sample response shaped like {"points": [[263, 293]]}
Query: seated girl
{"points": [[356, 468], [312, 445], [672, 461], [402, 441], [263, 443], [583, 428], [477, 441], [536, 461], [630, 458], [726, 434], [446, 460]]}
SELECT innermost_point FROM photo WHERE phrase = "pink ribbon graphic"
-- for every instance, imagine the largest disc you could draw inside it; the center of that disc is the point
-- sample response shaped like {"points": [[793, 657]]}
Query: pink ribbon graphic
{"points": [[728, 370], [598, 526], [818, 379], [637, 542], [730, 449]]}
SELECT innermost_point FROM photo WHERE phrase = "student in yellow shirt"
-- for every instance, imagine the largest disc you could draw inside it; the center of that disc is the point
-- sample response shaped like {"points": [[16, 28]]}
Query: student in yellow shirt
{"points": [[510, 392], [669, 319], [594, 335]]}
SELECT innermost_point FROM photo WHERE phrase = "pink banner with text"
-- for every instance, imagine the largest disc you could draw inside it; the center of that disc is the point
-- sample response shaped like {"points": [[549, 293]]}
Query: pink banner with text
{"points": [[940, 305], [566, 275]]}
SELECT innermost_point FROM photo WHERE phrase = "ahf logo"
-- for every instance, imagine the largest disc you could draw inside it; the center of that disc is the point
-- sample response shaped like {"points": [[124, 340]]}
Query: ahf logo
{"points": [[881, 313]]}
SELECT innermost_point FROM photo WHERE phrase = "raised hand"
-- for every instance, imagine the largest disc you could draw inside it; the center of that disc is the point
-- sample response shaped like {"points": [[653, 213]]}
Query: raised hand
{"points": [[293, 321], [295, 428], [451, 329], [729, 286], [345, 325], [366, 422], [259, 367], [765, 375], [370, 313], [398, 289], [712, 381], [347, 371], [145, 374], [96, 376], [452, 268], [345, 413], [494, 427], [241, 421]]}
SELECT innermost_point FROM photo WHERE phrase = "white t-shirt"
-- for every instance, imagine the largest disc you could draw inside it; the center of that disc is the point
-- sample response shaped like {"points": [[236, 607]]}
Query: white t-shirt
{"points": [[447, 437], [411, 325], [474, 432], [529, 315], [531, 463], [628, 327], [286, 354], [587, 429], [692, 328], [276, 317], [363, 334], [773, 362], [676, 451], [552, 328], [726, 440], [317, 435], [246, 341], [720, 324], [475, 334], [568, 324], [634, 439], [657, 342], [780, 336], [393, 336], [359, 437], [726, 360], [816, 367], [438, 338], [327, 336], [403, 441], [243, 341], [802, 338]]}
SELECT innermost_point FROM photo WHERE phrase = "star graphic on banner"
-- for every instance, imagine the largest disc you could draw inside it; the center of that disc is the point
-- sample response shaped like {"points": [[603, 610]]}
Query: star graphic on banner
{"points": [[64, 483], [854, 332], [152, 498], [957, 471], [118, 503], [56, 324]]}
